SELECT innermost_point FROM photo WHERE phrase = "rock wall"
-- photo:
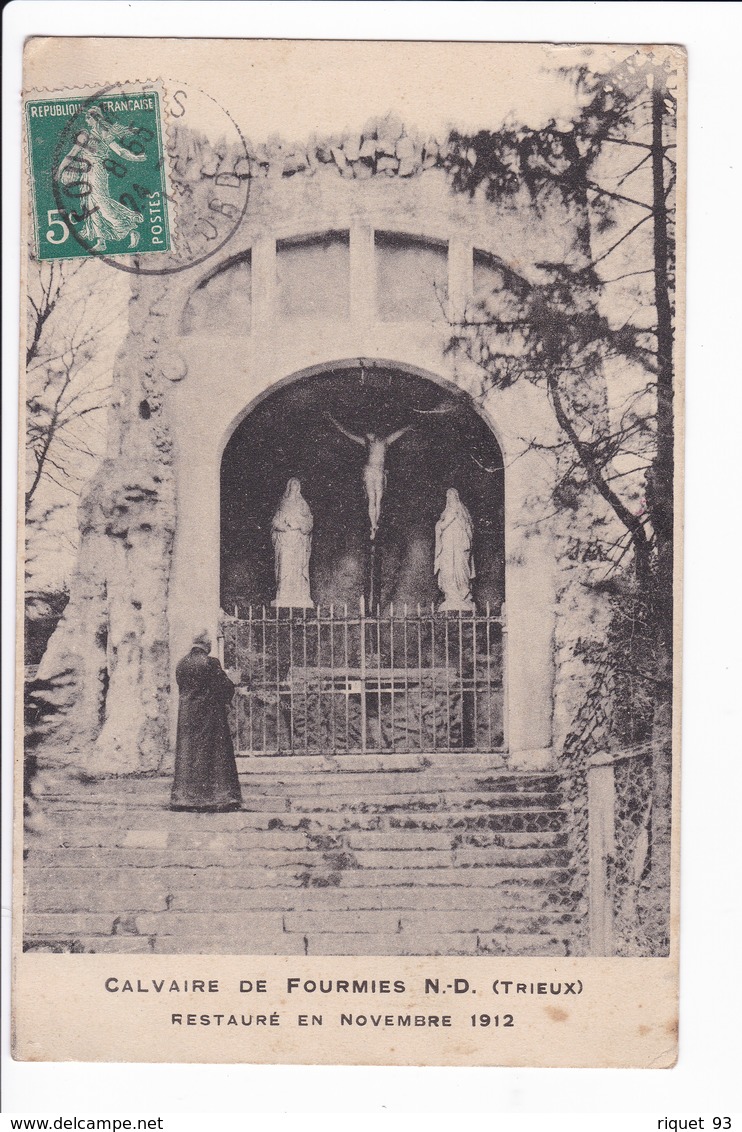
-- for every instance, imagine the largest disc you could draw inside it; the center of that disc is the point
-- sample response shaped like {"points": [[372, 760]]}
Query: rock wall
{"points": [[109, 653], [384, 146]]}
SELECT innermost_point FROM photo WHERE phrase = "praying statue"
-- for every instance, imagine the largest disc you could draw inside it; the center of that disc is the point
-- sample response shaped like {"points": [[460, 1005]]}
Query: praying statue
{"points": [[374, 472], [453, 564], [291, 531]]}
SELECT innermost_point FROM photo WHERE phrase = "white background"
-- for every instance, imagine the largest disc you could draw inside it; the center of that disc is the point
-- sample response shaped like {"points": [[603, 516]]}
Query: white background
{"points": [[706, 1078]]}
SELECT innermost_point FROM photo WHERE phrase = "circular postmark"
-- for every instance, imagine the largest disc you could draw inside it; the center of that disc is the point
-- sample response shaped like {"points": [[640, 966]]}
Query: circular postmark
{"points": [[168, 188]]}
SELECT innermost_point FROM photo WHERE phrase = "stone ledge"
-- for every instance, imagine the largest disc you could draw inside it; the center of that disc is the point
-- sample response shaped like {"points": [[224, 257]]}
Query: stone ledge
{"points": [[459, 943], [363, 763], [519, 898], [65, 825]]}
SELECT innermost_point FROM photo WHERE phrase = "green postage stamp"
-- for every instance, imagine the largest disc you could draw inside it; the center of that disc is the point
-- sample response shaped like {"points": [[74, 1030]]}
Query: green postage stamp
{"points": [[98, 177]]}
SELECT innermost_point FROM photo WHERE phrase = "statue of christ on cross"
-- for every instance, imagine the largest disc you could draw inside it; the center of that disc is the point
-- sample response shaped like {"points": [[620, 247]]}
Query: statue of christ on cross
{"points": [[374, 472]]}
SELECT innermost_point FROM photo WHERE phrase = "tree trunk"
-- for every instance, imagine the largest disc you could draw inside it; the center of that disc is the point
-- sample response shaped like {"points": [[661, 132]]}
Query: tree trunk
{"points": [[660, 500]]}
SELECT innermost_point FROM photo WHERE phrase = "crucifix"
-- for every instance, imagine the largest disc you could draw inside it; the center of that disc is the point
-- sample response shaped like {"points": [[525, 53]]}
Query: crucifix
{"points": [[374, 483]]}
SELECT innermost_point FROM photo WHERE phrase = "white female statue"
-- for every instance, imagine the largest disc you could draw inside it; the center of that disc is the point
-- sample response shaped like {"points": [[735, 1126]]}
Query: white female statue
{"points": [[453, 565], [291, 531]]}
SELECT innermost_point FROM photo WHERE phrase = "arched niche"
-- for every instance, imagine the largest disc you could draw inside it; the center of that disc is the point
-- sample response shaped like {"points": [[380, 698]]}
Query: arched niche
{"points": [[208, 413], [290, 433]]}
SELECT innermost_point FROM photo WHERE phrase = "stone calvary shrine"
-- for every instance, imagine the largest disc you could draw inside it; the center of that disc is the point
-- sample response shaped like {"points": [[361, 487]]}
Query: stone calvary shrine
{"points": [[299, 461]]}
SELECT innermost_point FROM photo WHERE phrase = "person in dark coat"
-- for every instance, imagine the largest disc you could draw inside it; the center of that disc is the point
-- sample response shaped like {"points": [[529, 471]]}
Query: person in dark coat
{"points": [[205, 769]]}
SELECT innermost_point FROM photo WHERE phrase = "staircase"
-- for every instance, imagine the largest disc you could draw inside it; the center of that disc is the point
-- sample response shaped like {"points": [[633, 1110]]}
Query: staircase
{"points": [[354, 855]]}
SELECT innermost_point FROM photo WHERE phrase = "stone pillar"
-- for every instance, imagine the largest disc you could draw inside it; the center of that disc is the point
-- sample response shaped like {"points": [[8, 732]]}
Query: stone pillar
{"points": [[194, 586], [529, 585], [601, 805], [530, 592]]}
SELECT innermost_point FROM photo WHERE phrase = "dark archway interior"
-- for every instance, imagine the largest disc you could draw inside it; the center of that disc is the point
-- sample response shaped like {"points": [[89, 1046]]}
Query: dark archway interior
{"points": [[288, 434]]}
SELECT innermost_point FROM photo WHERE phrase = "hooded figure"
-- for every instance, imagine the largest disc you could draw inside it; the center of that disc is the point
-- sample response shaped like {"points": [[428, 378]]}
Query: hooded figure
{"points": [[291, 531], [453, 561], [205, 769]]}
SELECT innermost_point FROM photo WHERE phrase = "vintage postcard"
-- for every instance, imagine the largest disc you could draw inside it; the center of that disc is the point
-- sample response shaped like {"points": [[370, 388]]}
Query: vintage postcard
{"points": [[349, 676]]}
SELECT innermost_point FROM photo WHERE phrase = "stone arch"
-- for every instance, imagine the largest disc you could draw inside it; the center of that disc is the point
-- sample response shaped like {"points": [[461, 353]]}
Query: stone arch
{"points": [[227, 381], [530, 568], [445, 383], [284, 434]]}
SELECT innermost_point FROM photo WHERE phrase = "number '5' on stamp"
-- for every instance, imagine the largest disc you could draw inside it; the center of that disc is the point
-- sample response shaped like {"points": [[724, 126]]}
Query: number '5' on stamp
{"points": [[98, 182]]}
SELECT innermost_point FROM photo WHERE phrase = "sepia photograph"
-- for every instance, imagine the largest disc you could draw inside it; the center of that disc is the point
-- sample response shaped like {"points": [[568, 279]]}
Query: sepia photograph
{"points": [[351, 539]]}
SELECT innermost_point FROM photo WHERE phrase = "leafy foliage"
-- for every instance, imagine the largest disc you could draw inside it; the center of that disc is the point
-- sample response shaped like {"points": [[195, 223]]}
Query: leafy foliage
{"points": [[562, 328], [557, 329]]}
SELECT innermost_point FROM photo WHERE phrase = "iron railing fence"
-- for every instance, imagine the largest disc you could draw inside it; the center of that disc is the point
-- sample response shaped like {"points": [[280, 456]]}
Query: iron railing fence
{"points": [[337, 680]]}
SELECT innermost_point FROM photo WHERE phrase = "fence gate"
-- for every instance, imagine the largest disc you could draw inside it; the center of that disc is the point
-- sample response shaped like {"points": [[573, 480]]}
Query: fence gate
{"points": [[331, 680]]}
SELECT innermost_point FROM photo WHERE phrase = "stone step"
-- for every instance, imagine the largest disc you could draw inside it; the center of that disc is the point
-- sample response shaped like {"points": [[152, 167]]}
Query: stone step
{"points": [[320, 770], [115, 944], [319, 781], [304, 768], [518, 898], [340, 795], [54, 925], [322, 837], [320, 943], [439, 943], [419, 923], [480, 762], [371, 785], [121, 817], [398, 855], [386, 803], [423, 857], [506, 820], [374, 761], [432, 778], [100, 889]]}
